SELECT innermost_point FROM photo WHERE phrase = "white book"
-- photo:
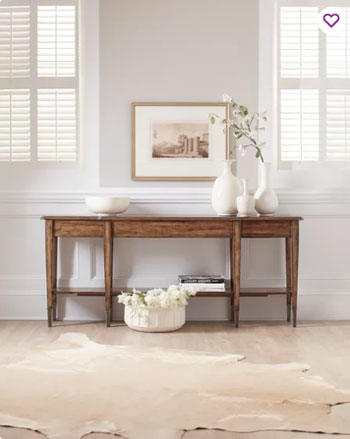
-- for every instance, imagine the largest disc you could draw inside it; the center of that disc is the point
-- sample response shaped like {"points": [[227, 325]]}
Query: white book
{"points": [[205, 287]]}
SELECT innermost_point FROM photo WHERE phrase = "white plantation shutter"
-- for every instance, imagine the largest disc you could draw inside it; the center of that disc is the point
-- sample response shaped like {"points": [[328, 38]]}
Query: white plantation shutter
{"points": [[56, 41], [56, 124], [314, 86], [338, 125], [299, 42], [39, 80], [338, 50], [14, 125], [14, 42], [299, 125]]}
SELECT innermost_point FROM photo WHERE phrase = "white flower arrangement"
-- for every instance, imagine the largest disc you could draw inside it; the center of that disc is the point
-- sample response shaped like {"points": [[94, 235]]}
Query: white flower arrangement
{"points": [[173, 297], [244, 126]]}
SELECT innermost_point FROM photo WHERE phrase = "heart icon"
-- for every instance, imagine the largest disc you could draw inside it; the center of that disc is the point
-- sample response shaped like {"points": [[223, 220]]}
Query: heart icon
{"points": [[331, 19]]}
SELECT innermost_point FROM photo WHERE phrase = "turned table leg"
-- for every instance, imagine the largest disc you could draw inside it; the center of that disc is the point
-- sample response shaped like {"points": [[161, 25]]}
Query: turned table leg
{"points": [[108, 266], [51, 270], [288, 277], [54, 278], [295, 262], [232, 305], [237, 268]]}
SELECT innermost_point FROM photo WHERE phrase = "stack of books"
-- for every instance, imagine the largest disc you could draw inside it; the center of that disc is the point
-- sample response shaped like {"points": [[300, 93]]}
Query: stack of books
{"points": [[203, 283]]}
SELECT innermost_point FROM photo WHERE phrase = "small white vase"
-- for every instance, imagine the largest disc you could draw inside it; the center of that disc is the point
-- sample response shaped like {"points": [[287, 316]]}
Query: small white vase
{"points": [[226, 189], [245, 202], [155, 319], [266, 200]]}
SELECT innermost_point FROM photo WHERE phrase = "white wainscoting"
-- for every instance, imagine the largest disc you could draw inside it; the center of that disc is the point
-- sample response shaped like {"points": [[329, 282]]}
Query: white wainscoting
{"points": [[324, 257]]}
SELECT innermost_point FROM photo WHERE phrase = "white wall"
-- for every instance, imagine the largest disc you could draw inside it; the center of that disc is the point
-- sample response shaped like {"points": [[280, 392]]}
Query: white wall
{"points": [[134, 37], [158, 50]]}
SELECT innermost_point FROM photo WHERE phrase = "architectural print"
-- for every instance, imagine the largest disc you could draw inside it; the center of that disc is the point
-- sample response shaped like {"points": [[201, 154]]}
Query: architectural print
{"points": [[180, 140]]}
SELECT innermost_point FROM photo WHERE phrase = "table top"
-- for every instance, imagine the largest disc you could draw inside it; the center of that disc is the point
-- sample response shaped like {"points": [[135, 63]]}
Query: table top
{"points": [[182, 217]]}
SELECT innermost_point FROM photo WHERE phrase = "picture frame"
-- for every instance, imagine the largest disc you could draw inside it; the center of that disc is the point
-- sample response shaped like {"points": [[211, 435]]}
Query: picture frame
{"points": [[176, 141]]}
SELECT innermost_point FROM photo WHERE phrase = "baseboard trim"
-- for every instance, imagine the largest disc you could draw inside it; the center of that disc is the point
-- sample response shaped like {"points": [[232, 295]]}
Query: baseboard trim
{"points": [[311, 306]]}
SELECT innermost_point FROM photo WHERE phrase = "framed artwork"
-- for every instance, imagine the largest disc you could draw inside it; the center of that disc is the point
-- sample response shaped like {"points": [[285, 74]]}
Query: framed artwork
{"points": [[176, 141]]}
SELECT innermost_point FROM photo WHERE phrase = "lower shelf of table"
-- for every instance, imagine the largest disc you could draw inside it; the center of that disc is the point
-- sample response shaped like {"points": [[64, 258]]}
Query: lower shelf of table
{"points": [[248, 292]]}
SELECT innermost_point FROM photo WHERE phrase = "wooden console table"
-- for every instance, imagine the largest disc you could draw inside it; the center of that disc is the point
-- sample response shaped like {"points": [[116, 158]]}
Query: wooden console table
{"points": [[231, 227]]}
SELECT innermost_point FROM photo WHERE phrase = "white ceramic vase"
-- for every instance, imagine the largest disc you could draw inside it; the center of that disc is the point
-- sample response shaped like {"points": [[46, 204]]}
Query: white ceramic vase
{"points": [[226, 189], [245, 202], [266, 200], [155, 319]]}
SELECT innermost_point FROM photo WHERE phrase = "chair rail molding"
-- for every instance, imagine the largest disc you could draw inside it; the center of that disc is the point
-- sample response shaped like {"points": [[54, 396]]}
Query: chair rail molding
{"points": [[168, 195]]}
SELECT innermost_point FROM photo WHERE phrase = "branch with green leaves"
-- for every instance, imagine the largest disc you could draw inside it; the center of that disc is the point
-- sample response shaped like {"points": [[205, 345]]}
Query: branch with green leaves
{"points": [[244, 127]]}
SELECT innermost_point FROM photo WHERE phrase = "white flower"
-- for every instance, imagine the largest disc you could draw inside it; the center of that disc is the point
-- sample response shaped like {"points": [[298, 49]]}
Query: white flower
{"points": [[226, 98], [191, 291], [174, 296], [165, 300], [173, 289]]}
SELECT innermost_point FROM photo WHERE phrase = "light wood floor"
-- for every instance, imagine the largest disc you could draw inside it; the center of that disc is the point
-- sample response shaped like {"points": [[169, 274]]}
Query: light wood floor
{"points": [[325, 346]]}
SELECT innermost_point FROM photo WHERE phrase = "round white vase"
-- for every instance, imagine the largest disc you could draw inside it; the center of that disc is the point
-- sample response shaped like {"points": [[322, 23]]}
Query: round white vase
{"points": [[226, 189], [266, 200], [245, 202], [155, 319]]}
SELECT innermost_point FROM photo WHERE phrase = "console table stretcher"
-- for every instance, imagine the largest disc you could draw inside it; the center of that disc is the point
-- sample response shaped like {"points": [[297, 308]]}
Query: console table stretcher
{"points": [[231, 227]]}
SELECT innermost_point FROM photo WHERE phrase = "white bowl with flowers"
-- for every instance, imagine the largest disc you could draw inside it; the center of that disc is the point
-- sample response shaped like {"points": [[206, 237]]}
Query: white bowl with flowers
{"points": [[156, 310]]}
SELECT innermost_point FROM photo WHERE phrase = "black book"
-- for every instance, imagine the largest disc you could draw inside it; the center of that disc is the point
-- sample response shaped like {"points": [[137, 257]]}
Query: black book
{"points": [[199, 279]]}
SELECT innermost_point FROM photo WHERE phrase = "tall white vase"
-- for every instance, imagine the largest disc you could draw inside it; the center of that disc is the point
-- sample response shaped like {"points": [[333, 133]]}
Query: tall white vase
{"points": [[226, 189], [266, 201]]}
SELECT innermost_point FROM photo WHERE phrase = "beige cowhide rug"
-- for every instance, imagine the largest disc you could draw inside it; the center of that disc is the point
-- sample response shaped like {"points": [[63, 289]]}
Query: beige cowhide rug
{"points": [[75, 387]]}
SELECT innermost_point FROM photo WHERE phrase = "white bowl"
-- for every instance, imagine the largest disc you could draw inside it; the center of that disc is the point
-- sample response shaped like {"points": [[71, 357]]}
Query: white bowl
{"points": [[107, 205]]}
